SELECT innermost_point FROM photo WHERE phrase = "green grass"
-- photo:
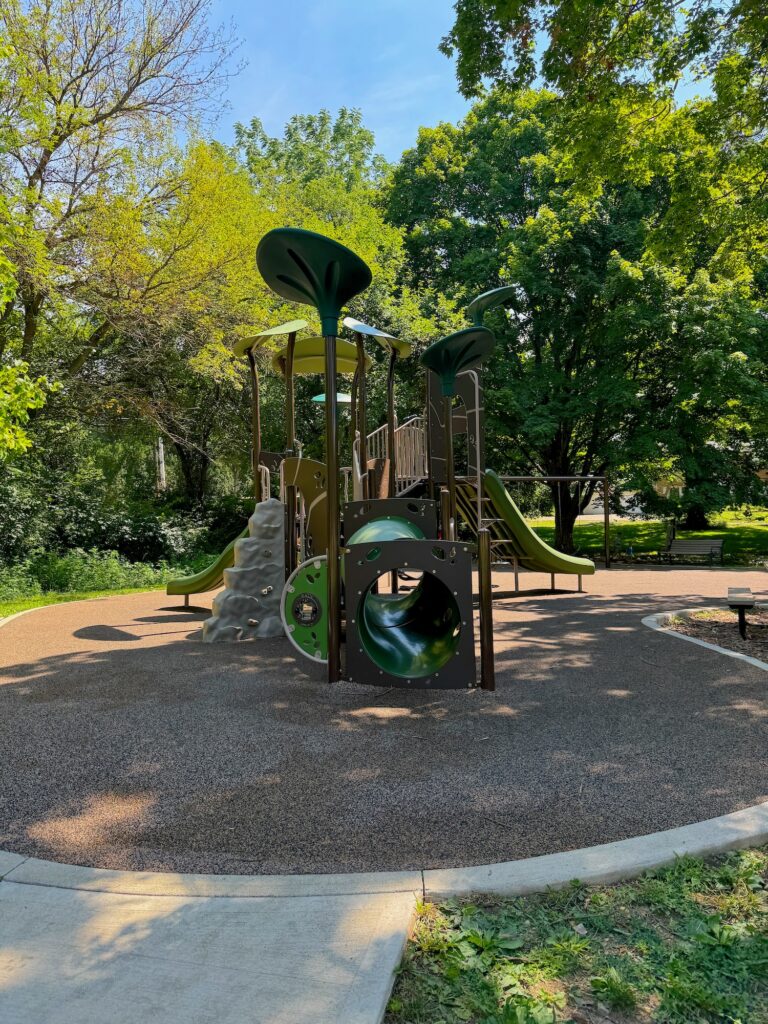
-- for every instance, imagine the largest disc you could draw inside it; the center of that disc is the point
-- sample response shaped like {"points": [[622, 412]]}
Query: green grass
{"points": [[685, 945], [746, 541], [23, 604]]}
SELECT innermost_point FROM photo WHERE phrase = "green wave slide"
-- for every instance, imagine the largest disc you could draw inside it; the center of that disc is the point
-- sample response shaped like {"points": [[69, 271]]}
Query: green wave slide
{"points": [[210, 578], [511, 534]]}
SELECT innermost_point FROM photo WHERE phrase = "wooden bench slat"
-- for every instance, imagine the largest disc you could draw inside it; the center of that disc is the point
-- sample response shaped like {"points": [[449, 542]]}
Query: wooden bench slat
{"points": [[695, 545]]}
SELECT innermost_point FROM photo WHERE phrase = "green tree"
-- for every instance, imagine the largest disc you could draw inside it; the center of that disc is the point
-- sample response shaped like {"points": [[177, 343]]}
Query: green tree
{"points": [[616, 69], [606, 358], [89, 90], [19, 393]]}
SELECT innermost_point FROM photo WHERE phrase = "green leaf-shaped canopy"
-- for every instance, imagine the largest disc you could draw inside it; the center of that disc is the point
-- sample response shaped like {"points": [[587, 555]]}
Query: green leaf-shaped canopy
{"points": [[401, 348], [495, 297], [303, 266], [457, 352], [243, 345]]}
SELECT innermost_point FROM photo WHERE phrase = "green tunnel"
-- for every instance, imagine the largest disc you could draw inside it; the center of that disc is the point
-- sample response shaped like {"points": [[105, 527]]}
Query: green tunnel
{"points": [[412, 634]]}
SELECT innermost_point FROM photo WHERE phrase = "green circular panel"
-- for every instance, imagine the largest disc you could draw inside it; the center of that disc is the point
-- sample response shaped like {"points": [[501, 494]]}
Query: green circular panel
{"points": [[303, 609]]}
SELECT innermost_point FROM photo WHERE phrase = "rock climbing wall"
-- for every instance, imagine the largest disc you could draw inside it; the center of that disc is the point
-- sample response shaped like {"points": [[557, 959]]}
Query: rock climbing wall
{"points": [[249, 605]]}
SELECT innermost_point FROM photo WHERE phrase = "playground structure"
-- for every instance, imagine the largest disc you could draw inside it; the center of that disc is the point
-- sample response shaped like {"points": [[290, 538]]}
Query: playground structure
{"points": [[390, 572]]}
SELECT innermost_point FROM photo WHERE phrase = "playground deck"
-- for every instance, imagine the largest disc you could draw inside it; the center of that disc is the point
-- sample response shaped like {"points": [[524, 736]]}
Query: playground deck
{"points": [[131, 745]]}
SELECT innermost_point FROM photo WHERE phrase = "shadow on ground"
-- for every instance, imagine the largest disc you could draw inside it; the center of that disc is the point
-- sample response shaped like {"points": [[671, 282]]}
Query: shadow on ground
{"points": [[126, 743]]}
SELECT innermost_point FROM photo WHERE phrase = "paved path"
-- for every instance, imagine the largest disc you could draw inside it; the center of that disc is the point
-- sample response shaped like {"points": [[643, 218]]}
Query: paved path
{"points": [[70, 956]]}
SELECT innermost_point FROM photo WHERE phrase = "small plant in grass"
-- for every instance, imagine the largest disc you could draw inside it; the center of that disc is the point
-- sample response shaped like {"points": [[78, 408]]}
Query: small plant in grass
{"points": [[685, 945], [614, 990]]}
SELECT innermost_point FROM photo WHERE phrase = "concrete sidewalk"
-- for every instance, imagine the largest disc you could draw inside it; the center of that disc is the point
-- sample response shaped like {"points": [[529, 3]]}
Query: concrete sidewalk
{"points": [[72, 956]]}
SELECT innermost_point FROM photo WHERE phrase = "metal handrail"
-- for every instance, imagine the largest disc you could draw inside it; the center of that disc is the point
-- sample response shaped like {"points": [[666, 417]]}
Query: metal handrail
{"points": [[410, 452]]}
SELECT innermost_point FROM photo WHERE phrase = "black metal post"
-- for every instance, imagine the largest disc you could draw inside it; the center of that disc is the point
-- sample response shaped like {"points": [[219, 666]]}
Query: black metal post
{"points": [[255, 426], [606, 523], [445, 513], [333, 511], [487, 672]]}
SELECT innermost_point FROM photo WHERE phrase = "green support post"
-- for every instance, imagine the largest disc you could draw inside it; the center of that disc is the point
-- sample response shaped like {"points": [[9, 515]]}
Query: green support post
{"points": [[303, 266]]}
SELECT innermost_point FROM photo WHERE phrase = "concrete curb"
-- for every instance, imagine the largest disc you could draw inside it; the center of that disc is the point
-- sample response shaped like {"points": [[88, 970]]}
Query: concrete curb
{"points": [[594, 865], [660, 619], [31, 871], [611, 862]]}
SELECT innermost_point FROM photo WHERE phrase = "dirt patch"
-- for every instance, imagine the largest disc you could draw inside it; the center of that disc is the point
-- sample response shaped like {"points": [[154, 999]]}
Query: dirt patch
{"points": [[720, 626]]}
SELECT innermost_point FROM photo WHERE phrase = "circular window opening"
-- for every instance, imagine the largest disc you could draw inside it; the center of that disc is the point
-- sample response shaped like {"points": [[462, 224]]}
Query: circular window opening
{"points": [[306, 610]]}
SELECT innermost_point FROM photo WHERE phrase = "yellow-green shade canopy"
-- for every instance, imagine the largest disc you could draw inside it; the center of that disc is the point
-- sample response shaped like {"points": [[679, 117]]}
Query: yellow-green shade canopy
{"points": [[243, 345], [401, 348], [309, 357]]}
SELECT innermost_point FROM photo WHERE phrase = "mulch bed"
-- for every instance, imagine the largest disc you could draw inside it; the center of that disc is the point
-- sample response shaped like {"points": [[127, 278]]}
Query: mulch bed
{"points": [[720, 626]]}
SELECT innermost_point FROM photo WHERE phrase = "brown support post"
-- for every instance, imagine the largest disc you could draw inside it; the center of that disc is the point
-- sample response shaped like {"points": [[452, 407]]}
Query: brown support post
{"points": [[362, 413], [487, 672], [606, 523], [255, 426], [391, 421], [290, 447], [450, 474], [332, 507], [392, 486]]}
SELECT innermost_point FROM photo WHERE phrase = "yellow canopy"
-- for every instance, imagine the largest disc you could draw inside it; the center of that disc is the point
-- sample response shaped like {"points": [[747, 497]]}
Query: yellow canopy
{"points": [[309, 357]]}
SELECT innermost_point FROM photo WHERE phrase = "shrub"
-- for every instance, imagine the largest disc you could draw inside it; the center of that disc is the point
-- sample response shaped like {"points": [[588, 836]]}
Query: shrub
{"points": [[93, 570], [18, 581]]}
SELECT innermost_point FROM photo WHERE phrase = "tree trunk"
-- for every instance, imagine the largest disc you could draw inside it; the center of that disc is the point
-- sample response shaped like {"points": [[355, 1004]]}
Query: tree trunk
{"points": [[696, 518], [566, 513], [32, 303], [194, 472]]}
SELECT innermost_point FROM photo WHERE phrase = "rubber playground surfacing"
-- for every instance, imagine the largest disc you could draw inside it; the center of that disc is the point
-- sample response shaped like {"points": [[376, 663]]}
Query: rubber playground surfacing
{"points": [[126, 743]]}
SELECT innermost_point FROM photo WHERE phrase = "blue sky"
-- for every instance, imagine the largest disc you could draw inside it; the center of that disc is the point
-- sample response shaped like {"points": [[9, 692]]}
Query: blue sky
{"points": [[379, 55]]}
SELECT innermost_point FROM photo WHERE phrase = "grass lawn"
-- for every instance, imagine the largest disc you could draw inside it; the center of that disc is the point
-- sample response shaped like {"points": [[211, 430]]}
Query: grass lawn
{"points": [[746, 540], [22, 604], [685, 945]]}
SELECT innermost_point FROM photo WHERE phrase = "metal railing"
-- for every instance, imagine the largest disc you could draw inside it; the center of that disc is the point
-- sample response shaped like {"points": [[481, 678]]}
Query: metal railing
{"points": [[410, 452]]}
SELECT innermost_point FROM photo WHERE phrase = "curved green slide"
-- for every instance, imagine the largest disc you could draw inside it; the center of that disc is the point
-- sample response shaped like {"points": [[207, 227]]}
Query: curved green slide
{"points": [[512, 536], [210, 578]]}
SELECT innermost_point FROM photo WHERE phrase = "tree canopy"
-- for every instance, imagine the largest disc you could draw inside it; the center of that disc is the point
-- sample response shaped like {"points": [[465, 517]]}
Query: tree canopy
{"points": [[608, 360], [617, 71]]}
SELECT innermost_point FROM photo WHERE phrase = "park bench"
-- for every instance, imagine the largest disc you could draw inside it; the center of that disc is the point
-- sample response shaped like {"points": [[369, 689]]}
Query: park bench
{"points": [[700, 548], [740, 599]]}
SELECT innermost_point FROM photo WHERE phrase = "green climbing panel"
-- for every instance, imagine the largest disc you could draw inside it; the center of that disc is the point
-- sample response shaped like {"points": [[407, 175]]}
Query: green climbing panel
{"points": [[303, 609]]}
